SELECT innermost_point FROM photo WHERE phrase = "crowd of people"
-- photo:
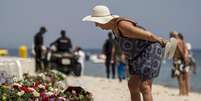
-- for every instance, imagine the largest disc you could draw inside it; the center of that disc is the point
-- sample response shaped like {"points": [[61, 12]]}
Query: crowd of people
{"points": [[62, 44]]}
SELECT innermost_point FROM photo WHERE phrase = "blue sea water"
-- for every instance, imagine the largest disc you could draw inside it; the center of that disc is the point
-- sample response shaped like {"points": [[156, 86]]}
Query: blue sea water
{"points": [[164, 78]]}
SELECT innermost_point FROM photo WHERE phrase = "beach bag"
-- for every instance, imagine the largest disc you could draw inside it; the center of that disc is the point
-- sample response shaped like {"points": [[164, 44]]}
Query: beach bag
{"points": [[170, 48]]}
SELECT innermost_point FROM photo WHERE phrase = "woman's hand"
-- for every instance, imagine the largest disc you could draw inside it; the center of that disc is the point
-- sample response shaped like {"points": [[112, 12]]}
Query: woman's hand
{"points": [[163, 42]]}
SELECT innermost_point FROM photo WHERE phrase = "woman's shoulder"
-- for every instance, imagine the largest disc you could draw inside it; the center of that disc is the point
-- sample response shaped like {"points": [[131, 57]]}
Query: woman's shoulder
{"points": [[124, 19]]}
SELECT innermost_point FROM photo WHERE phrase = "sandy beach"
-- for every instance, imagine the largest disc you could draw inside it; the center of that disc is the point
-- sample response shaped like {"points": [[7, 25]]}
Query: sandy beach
{"points": [[112, 90], [101, 88]]}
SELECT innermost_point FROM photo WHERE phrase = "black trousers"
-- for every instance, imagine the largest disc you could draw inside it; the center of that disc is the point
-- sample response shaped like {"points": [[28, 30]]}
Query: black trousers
{"points": [[39, 65], [109, 65]]}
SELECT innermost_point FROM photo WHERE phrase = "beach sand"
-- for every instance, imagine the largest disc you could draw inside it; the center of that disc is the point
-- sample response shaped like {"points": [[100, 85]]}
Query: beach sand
{"points": [[102, 89], [112, 90]]}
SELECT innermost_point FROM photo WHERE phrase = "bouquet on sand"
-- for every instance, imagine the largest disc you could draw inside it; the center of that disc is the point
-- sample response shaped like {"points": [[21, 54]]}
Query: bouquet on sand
{"points": [[48, 86]]}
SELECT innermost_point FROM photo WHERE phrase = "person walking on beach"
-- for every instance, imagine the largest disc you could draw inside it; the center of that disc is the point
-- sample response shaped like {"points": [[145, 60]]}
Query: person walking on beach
{"points": [[108, 50], [38, 48], [181, 64], [143, 49]]}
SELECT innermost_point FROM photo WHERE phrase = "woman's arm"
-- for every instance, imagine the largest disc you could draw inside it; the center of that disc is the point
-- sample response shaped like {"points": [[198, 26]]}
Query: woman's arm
{"points": [[113, 53], [184, 51], [129, 30]]}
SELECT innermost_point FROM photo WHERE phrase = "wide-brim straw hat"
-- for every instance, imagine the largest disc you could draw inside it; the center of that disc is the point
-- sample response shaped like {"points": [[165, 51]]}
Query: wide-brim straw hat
{"points": [[100, 14], [170, 48]]}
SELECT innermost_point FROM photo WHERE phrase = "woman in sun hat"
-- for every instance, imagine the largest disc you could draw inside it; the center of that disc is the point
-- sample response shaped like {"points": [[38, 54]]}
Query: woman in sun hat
{"points": [[143, 49]]}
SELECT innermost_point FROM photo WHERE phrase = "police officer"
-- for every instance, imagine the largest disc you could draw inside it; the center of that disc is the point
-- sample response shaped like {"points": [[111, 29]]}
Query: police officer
{"points": [[63, 43]]}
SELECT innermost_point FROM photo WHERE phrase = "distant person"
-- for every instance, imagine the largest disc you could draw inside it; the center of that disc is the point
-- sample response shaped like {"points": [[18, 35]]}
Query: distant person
{"points": [[87, 56], [181, 64], [139, 46], [121, 68], [192, 61], [38, 48], [81, 57], [63, 43], [108, 50]]}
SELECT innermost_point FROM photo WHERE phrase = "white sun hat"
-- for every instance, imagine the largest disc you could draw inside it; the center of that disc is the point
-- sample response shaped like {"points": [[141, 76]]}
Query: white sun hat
{"points": [[100, 14], [170, 48]]}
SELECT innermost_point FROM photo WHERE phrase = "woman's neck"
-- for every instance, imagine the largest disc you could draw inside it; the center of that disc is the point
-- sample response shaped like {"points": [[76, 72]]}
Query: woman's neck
{"points": [[114, 27], [112, 24]]}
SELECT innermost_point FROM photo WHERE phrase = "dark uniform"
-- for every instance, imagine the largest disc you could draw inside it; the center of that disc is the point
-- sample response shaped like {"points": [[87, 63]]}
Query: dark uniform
{"points": [[63, 43], [38, 43], [110, 60]]}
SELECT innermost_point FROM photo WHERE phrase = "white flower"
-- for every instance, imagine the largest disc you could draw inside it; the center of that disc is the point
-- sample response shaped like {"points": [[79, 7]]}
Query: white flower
{"points": [[17, 84], [56, 91], [36, 94], [49, 93], [50, 88], [15, 79], [41, 86], [42, 75], [31, 89], [20, 93], [60, 85], [62, 98]]}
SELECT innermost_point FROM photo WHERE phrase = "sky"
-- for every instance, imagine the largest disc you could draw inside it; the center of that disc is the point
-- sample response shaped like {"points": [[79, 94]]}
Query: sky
{"points": [[21, 19]]}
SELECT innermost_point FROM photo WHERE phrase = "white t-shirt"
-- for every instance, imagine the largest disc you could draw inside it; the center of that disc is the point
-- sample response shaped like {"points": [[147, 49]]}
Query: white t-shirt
{"points": [[81, 58]]}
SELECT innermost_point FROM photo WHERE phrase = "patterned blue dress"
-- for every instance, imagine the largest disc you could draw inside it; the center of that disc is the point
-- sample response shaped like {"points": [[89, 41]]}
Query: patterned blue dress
{"points": [[144, 57]]}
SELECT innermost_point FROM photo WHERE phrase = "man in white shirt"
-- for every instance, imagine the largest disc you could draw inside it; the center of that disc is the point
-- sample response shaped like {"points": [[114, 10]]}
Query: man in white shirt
{"points": [[81, 59]]}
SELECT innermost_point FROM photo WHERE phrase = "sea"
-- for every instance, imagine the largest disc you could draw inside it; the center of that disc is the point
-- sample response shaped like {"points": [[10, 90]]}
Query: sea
{"points": [[164, 78]]}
